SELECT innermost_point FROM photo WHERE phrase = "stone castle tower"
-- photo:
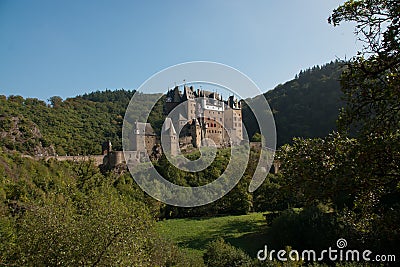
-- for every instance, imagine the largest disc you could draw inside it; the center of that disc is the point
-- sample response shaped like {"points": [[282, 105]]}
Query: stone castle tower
{"points": [[169, 138], [143, 137]]}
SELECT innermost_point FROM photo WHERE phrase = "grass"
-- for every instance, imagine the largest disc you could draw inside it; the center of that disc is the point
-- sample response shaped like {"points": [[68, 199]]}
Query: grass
{"points": [[192, 235]]}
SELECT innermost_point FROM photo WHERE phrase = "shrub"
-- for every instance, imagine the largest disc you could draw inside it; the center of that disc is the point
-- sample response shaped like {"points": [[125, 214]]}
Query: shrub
{"points": [[221, 254], [311, 228]]}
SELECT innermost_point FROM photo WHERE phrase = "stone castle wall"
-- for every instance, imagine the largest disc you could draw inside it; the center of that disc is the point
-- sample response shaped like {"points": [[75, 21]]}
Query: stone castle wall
{"points": [[97, 159]]}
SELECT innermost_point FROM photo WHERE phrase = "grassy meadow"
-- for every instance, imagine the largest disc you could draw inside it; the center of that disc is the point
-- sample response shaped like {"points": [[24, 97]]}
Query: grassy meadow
{"points": [[192, 234]]}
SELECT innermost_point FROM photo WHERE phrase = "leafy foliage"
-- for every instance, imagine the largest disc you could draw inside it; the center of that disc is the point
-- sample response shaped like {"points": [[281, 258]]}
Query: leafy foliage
{"points": [[297, 229], [358, 179], [348, 177], [270, 196], [237, 201], [371, 81], [221, 254], [371, 86], [63, 213]]}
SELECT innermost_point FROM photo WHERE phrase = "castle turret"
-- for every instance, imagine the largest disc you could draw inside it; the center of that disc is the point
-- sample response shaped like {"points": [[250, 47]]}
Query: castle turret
{"points": [[169, 138]]}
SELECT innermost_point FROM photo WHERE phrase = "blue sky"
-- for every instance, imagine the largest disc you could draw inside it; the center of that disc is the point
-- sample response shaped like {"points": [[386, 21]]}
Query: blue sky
{"points": [[67, 48]]}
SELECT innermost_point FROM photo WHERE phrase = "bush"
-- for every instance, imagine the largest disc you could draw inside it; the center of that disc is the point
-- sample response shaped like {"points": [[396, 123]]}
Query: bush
{"points": [[221, 254], [270, 196], [311, 228]]}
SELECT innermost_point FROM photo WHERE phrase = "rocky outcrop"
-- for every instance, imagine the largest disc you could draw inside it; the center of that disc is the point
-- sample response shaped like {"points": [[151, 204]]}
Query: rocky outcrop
{"points": [[23, 135]]}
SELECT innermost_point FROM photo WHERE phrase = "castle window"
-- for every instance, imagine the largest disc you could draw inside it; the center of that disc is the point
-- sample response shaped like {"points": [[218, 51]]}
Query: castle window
{"points": [[235, 124]]}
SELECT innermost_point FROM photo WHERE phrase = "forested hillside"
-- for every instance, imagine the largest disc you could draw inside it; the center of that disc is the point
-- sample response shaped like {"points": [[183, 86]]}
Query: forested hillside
{"points": [[307, 106], [73, 126]]}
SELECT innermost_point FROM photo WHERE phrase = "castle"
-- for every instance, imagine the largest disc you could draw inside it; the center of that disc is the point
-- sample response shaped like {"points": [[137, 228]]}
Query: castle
{"points": [[200, 116], [194, 119]]}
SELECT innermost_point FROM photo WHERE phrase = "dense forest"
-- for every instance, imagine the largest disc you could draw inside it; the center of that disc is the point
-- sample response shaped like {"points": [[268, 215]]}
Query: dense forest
{"points": [[75, 126], [307, 106]]}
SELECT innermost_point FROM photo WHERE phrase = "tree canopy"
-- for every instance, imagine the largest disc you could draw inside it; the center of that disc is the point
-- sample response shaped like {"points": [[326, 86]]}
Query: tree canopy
{"points": [[307, 106]]}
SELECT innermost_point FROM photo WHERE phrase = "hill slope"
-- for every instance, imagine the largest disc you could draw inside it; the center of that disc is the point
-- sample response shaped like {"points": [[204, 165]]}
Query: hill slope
{"points": [[74, 126], [306, 106]]}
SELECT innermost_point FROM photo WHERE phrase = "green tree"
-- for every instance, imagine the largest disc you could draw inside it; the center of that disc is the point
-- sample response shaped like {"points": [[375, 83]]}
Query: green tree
{"points": [[359, 179], [321, 170], [371, 86], [55, 101], [371, 81]]}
